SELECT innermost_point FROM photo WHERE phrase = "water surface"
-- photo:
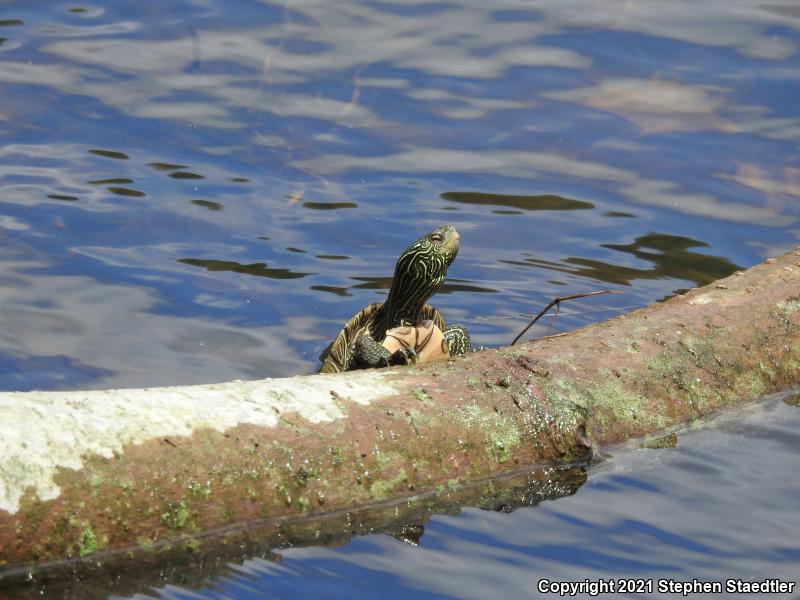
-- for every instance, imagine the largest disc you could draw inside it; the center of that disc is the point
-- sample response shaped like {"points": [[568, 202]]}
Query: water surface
{"points": [[199, 191]]}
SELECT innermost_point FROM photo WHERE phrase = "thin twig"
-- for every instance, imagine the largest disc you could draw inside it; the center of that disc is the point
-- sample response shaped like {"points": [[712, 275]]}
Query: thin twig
{"points": [[558, 301], [571, 313]]}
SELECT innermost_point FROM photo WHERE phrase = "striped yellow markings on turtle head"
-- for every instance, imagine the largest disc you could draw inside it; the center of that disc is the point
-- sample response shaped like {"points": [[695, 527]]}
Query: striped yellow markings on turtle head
{"points": [[419, 273]]}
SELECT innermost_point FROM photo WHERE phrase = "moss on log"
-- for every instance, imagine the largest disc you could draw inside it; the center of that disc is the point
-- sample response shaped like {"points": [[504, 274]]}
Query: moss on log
{"points": [[132, 473]]}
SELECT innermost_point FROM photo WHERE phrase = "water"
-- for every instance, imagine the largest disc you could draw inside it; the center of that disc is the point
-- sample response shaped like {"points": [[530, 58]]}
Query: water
{"points": [[202, 191], [199, 190]]}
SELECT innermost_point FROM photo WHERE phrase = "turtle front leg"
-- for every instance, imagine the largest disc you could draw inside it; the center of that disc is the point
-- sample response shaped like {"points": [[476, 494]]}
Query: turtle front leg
{"points": [[369, 354], [457, 338]]}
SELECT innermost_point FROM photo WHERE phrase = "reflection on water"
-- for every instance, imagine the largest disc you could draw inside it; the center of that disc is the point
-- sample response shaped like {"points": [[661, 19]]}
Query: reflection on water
{"points": [[141, 141], [110, 154], [339, 291], [543, 202], [257, 269], [121, 191], [328, 205], [184, 175], [209, 204], [669, 255], [672, 258], [160, 166], [111, 180], [404, 519]]}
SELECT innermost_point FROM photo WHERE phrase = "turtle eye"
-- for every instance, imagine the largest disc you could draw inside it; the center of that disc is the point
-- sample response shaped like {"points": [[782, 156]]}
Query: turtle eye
{"points": [[436, 237]]}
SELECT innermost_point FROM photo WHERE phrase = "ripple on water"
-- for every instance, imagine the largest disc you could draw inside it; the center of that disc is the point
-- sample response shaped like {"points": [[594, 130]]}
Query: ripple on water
{"points": [[551, 136]]}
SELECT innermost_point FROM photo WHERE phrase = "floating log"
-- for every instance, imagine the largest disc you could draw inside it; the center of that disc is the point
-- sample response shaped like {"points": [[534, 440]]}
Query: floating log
{"points": [[124, 474]]}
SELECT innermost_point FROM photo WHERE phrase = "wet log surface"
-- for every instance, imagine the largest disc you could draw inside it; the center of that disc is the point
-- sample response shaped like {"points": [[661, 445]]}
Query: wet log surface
{"points": [[130, 478]]}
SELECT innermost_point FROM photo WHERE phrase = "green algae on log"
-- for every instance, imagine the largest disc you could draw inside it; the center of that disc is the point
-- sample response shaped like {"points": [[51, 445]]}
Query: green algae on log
{"points": [[192, 560], [85, 475]]}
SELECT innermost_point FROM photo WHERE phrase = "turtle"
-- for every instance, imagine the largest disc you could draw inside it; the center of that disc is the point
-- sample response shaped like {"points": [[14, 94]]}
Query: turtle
{"points": [[418, 274]]}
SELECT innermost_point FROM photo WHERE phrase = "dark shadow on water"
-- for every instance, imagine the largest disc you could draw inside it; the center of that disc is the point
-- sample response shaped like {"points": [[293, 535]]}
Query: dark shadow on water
{"points": [[670, 255], [160, 166], [339, 291], [110, 154], [259, 269], [329, 205], [112, 180], [209, 204], [120, 191], [540, 202], [185, 175], [507, 212], [448, 287]]}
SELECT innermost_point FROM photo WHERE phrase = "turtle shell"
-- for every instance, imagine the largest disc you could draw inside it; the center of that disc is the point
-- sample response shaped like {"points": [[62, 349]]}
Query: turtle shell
{"points": [[336, 357]]}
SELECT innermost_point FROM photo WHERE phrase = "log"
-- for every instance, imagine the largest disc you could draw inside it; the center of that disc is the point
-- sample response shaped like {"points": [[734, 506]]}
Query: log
{"points": [[94, 477]]}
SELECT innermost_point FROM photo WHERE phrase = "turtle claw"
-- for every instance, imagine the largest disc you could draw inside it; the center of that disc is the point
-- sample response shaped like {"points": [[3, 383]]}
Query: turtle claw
{"points": [[404, 356]]}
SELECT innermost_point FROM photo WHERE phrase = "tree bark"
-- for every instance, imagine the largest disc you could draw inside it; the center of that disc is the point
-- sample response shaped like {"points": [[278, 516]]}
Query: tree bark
{"points": [[105, 473]]}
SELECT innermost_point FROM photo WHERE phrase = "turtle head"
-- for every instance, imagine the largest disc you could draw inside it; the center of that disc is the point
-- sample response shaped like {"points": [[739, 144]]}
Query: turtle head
{"points": [[420, 271]]}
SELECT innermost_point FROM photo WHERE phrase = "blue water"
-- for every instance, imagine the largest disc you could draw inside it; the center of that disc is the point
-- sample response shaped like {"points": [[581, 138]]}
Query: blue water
{"points": [[197, 191]]}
